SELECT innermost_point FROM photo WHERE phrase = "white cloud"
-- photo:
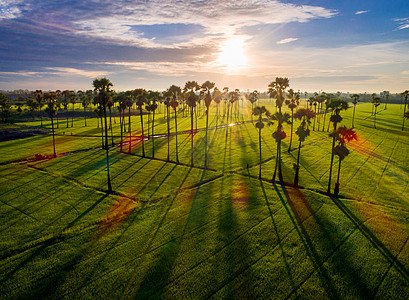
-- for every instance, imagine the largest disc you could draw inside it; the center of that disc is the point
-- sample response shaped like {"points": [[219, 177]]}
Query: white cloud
{"points": [[403, 23], [286, 41], [360, 12], [10, 9], [77, 72]]}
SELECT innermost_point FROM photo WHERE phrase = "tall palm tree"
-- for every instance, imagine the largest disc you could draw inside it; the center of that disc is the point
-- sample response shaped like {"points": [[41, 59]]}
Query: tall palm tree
{"points": [[292, 103], [191, 102], [217, 97], [103, 87], [303, 131], [65, 101], [259, 111], [121, 99], [152, 98], [385, 96], [277, 90], [5, 106], [206, 88], [51, 109], [279, 135], [326, 98], [405, 95], [85, 101], [174, 92], [253, 97], [373, 95], [140, 96], [337, 105], [343, 135], [355, 100], [129, 103], [73, 100], [376, 101]]}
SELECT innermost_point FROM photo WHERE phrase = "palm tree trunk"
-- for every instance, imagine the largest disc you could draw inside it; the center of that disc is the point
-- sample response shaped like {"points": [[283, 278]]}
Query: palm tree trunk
{"points": [[276, 165], [291, 135], [72, 115], [280, 169], [252, 112], [353, 118], [143, 137], [332, 161], [168, 125], [57, 121], [323, 125], [121, 120], [153, 135], [336, 191], [85, 116], [106, 148], [315, 109], [259, 147], [52, 126], [68, 116], [404, 111], [191, 132], [207, 123], [176, 130], [110, 126], [374, 119], [102, 133], [297, 168], [129, 129]]}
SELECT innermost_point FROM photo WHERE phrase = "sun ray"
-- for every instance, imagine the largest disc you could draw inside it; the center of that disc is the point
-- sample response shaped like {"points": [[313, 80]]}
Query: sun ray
{"points": [[232, 55]]}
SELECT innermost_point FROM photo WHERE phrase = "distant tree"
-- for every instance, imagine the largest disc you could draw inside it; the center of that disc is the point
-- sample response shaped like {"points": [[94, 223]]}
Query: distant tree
{"points": [[33, 105], [292, 103], [65, 101], [152, 98], [303, 131], [39, 97], [217, 97], [121, 98], [279, 135], [373, 95], [259, 111], [103, 87], [343, 135], [355, 100], [85, 101], [129, 103], [253, 97], [405, 96], [206, 88], [5, 107], [51, 98], [385, 96], [376, 101], [277, 90], [73, 100], [337, 105], [174, 93]]}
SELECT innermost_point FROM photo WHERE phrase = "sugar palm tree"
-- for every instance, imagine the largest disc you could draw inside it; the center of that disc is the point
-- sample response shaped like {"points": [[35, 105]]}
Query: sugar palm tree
{"points": [[343, 135], [303, 131], [253, 97], [85, 101], [103, 87], [191, 102], [405, 95], [39, 97], [279, 135], [65, 101], [152, 98], [376, 101], [355, 100], [385, 96], [129, 103], [326, 98], [174, 92], [73, 100], [277, 90], [121, 99], [292, 103], [259, 111], [337, 105], [140, 96], [5, 106], [373, 95], [217, 97], [206, 88], [51, 98]]}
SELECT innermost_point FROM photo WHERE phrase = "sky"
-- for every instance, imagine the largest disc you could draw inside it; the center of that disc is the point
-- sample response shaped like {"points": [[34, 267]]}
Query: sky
{"points": [[348, 46]]}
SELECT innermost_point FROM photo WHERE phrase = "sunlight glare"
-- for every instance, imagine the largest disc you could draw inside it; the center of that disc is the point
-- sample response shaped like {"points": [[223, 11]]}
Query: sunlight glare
{"points": [[232, 55]]}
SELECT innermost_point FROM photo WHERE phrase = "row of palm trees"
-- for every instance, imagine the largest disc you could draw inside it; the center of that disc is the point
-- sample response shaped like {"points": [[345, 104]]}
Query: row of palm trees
{"points": [[192, 94]]}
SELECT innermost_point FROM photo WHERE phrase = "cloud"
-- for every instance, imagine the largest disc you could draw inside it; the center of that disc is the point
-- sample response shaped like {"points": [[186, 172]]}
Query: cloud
{"points": [[77, 72], [403, 23], [11, 9], [360, 12], [286, 41]]}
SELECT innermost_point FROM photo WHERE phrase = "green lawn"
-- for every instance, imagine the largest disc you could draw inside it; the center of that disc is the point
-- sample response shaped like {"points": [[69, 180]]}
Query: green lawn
{"points": [[175, 231]]}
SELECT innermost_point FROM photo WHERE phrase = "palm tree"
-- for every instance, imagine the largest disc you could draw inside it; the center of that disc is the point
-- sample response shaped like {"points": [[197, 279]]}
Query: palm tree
{"points": [[326, 98], [102, 87], [305, 115], [51, 109], [191, 102], [217, 97], [174, 91], [343, 135], [373, 95], [140, 96], [39, 96], [85, 100], [277, 90], [73, 100], [153, 96], [292, 103], [259, 111], [253, 97], [5, 105], [337, 105], [66, 99], [206, 87], [385, 96], [405, 95], [279, 135], [129, 103], [121, 99], [376, 101], [355, 101]]}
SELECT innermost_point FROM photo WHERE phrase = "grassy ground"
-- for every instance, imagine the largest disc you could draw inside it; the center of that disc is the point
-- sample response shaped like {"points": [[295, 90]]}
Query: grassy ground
{"points": [[172, 231]]}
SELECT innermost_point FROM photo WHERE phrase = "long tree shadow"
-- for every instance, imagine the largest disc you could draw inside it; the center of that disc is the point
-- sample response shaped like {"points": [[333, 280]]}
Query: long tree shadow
{"points": [[310, 249]]}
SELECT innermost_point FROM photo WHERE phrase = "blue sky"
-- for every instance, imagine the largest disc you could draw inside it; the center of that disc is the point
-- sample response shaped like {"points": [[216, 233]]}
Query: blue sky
{"points": [[351, 46]]}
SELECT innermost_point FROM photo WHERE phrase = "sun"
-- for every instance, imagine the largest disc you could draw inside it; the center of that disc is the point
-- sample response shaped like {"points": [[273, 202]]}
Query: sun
{"points": [[232, 55]]}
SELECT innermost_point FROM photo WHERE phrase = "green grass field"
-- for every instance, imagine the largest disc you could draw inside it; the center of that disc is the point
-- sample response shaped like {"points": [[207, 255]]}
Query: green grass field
{"points": [[174, 231]]}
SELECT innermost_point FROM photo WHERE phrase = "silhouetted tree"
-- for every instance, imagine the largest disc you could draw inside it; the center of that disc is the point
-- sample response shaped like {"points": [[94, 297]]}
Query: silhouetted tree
{"points": [[277, 90], [140, 96], [376, 101], [206, 88], [253, 97], [259, 111], [355, 100], [51, 98], [292, 103], [405, 96]]}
